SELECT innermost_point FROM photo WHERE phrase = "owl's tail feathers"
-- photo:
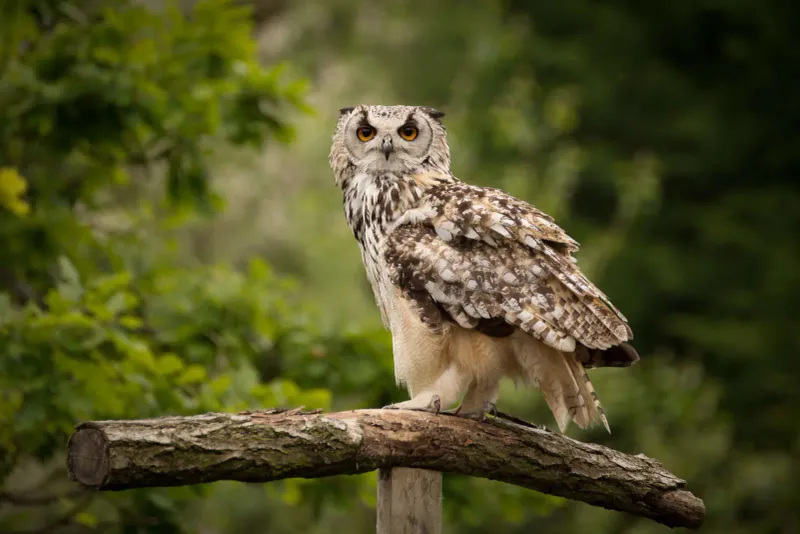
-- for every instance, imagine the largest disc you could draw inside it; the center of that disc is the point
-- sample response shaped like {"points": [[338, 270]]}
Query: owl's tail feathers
{"points": [[563, 382], [588, 393]]}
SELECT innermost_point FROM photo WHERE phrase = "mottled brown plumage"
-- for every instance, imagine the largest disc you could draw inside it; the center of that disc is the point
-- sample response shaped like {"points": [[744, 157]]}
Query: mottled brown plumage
{"points": [[474, 284]]}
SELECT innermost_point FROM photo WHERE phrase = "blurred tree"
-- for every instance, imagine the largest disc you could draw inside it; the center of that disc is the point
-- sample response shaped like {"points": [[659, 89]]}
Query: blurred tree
{"points": [[712, 89], [100, 100]]}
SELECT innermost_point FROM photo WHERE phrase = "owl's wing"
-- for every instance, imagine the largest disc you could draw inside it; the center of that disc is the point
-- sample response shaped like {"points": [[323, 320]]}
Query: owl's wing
{"points": [[491, 261]]}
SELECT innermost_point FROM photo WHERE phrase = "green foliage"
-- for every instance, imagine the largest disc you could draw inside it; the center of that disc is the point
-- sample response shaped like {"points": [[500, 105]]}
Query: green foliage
{"points": [[12, 189], [117, 346], [98, 102], [104, 96]]}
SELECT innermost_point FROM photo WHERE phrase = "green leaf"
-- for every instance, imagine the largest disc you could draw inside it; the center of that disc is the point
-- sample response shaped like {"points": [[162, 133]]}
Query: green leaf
{"points": [[169, 364], [69, 274], [5, 305], [12, 189], [117, 303], [86, 519], [193, 374]]}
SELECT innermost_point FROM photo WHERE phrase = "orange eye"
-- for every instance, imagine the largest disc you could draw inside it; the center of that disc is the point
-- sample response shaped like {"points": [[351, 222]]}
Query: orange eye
{"points": [[408, 132], [365, 133]]}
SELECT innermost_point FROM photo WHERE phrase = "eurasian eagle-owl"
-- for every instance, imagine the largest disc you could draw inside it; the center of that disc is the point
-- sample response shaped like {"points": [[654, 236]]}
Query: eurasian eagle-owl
{"points": [[474, 284]]}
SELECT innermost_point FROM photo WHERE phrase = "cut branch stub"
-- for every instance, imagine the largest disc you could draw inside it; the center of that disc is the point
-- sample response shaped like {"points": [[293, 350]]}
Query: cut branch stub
{"points": [[274, 444]]}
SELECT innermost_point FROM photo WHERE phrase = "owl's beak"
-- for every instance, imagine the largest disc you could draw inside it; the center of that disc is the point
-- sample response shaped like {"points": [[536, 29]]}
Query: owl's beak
{"points": [[387, 147]]}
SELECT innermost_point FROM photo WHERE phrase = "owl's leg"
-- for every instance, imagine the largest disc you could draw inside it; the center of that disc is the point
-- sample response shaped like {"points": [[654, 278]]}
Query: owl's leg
{"points": [[443, 392], [478, 401]]}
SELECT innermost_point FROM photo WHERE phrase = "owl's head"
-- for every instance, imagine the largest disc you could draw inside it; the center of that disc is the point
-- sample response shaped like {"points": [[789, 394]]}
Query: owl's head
{"points": [[389, 139]]}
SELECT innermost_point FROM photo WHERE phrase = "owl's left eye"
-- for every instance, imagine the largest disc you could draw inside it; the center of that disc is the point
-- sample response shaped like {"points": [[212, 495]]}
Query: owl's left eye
{"points": [[408, 132]]}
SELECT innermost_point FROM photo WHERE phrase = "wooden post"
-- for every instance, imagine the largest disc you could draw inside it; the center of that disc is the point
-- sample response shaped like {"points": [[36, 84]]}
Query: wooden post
{"points": [[409, 501]]}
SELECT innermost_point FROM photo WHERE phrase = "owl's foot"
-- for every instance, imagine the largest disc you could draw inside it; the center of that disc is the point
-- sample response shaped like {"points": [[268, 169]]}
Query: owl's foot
{"points": [[431, 404], [442, 392]]}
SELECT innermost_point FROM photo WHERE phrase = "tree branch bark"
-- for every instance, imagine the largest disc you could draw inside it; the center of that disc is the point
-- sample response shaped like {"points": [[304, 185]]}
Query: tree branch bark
{"points": [[277, 444]]}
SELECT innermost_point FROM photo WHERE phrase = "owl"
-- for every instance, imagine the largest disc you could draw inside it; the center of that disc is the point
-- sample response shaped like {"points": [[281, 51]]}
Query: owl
{"points": [[474, 284]]}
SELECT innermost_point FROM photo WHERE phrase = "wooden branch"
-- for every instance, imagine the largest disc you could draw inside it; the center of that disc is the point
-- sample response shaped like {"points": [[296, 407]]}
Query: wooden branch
{"points": [[278, 444]]}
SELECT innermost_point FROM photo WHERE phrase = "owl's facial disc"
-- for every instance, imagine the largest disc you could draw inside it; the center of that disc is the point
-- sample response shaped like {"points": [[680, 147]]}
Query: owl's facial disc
{"points": [[388, 140]]}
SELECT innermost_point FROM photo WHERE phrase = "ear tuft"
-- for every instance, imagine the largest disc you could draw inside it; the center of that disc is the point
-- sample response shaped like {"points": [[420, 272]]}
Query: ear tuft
{"points": [[433, 112], [345, 110]]}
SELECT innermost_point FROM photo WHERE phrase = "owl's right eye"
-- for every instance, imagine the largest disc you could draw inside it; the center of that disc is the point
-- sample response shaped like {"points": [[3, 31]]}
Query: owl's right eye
{"points": [[365, 133]]}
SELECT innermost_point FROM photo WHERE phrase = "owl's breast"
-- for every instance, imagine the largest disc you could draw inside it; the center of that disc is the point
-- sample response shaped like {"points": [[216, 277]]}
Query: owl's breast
{"points": [[377, 274], [372, 204]]}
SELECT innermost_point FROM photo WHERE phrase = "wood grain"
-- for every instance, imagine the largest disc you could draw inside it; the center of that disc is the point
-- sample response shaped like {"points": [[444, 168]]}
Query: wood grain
{"points": [[409, 501]]}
